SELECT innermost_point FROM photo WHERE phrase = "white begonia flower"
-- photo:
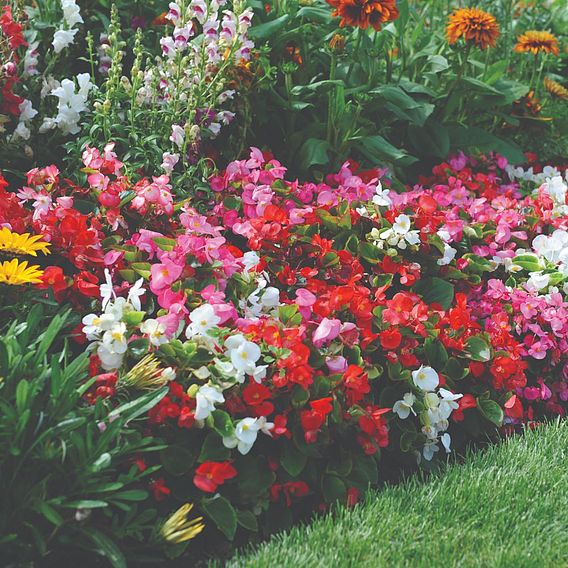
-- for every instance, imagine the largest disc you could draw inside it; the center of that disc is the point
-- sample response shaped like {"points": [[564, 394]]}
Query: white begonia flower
{"points": [[206, 398], [155, 331], [538, 280], [271, 297], [449, 255], [426, 378], [107, 289], [134, 294], [430, 448], [94, 325], [109, 360], [448, 403], [404, 407], [381, 197], [243, 354], [246, 433], [169, 374], [63, 38], [446, 441], [259, 373], [401, 224], [202, 320], [250, 259], [114, 340]]}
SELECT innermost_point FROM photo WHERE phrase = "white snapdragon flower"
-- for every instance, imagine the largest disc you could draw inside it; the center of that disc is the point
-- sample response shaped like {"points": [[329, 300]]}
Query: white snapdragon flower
{"points": [[31, 60], [71, 13], [178, 135], [202, 320], [169, 162], [426, 378], [206, 399], [62, 39]]}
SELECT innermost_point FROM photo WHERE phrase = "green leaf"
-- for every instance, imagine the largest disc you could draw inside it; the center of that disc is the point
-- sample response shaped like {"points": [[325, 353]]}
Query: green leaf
{"points": [[222, 513], [268, 29], [436, 353], [491, 410], [293, 460], [213, 449], [223, 423], [177, 460], [50, 514], [434, 290], [377, 149], [107, 547], [313, 152], [333, 489], [432, 139], [247, 520], [370, 252], [478, 349], [85, 504]]}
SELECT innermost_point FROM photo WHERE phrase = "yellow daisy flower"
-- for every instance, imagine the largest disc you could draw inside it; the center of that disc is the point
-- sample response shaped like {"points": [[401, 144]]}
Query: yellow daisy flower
{"points": [[22, 244], [556, 89], [16, 273]]}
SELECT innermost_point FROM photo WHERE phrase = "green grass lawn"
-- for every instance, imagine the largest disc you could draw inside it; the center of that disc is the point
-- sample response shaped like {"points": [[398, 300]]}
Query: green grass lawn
{"points": [[505, 507]]}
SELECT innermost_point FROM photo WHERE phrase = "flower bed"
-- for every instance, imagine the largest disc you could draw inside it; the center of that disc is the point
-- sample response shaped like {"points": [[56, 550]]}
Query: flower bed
{"points": [[293, 336]]}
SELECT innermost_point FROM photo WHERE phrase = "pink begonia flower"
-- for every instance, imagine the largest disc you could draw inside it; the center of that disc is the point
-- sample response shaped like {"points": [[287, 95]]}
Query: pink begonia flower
{"points": [[305, 300], [349, 334], [168, 298], [164, 275], [529, 309], [327, 330], [112, 257], [98, 181], [256, 158], [211, 295], [538, 350], [145, 241], [502, 234], [66, 202], [337, 364], [531, 393], [545, 392], [171, 322], [327, 198]]}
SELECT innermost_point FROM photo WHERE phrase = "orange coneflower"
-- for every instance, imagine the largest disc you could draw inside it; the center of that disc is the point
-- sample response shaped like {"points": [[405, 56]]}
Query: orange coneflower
{"points": [[474, 26], [534, 42], [555, 89], [364, 13]]}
